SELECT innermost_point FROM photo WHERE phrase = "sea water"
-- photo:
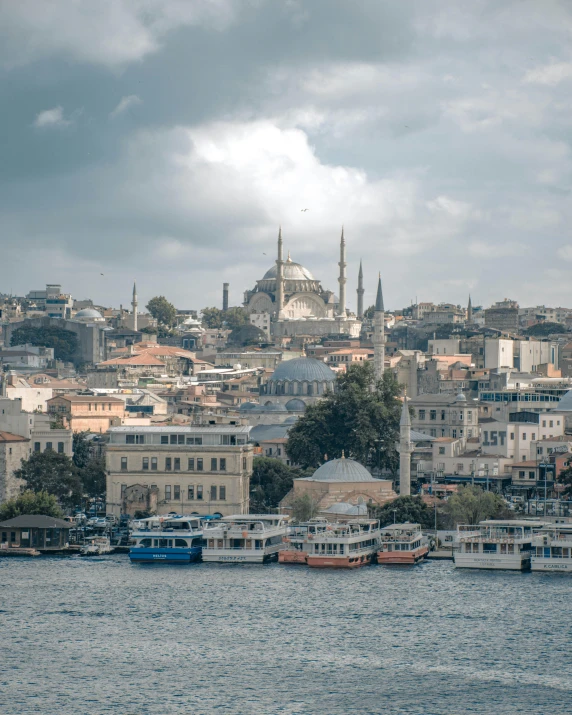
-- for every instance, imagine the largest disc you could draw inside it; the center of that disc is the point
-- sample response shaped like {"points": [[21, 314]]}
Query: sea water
{"points": [[102, 635]]}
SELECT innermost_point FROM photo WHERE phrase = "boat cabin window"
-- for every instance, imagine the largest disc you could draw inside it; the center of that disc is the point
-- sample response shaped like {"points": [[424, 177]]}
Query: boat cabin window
{"points": [[180, 542], [145, 542], [489, 548]]}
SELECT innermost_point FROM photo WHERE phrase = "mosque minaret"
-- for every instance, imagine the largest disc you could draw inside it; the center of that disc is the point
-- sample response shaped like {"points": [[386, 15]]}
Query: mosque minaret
{"points": [[134, 304], [360, 292], [379, 334], [342, 279], [405, 448]]}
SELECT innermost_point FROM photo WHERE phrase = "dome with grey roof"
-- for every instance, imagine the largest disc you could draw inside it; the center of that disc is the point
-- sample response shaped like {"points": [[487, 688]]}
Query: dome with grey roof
{"points": [[296, 405], [302, 369], [348, 509], [460, 398], [292, 272], [247, 406], [274, 407], [89, 314], [342, 470]]}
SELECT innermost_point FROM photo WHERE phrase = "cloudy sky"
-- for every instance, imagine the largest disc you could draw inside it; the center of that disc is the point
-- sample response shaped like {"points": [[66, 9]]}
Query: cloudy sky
{"points": [[166, 140]]}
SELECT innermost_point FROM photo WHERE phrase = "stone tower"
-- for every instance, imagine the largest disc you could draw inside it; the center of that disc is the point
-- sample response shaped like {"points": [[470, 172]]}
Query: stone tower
{"points": [[342, 278], [360, 292], [379, 334], [134, 305], [405, 450], [279, 277]]}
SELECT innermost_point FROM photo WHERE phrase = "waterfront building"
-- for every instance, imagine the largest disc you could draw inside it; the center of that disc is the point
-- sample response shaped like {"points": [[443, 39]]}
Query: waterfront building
{"points": [[190, 470], [34, 531]]}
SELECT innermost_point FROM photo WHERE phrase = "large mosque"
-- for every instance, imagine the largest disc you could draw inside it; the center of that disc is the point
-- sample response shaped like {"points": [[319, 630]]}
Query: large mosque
{"points": [[297, 303]]}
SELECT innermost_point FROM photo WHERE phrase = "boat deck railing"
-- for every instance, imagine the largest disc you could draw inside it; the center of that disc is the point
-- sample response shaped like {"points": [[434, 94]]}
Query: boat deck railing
{"points": [[243, 548]]}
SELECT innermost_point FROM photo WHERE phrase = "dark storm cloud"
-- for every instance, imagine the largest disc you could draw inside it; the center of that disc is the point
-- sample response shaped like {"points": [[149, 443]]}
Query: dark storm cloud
{"points": [[169, 143]]}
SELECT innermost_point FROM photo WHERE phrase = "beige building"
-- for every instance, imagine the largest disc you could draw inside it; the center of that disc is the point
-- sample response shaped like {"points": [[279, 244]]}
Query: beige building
{"points": [[13, 449], [91, 413], [445, 416], [202, 470]]}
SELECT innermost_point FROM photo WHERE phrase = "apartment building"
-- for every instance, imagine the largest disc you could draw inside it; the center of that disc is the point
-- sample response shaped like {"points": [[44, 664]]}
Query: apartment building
{"points": [[93, 413], [202, 470], [520, 435], [445, 416]]}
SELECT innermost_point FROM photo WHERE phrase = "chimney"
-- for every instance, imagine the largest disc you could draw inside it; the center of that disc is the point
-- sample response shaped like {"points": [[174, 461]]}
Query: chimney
{"points": [[225, 296]]}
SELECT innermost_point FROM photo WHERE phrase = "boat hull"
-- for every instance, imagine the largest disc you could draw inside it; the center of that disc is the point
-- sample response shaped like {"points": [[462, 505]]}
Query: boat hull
{"points": [[542, 564], [293, 557], [165, 555], [483, 561], [244, 557], [338, 562], [402, 557]]}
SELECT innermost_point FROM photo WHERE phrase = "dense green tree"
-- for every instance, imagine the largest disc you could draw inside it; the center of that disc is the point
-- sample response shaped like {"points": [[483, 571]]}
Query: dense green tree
{"points": [[30, 502], [355, 418], [212, 318], [93, 477], [81, 449], [303, 507], [542, 330], [232, 318], [235, 317], [270, 482], [64, 342], [368, 313], [565, 478], [163, 311], [471, 504], [54, 473], [402, 509]]}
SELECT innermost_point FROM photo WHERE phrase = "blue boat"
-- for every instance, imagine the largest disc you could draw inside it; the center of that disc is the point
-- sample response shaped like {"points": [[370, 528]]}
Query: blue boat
{"points": [[170, 540]]}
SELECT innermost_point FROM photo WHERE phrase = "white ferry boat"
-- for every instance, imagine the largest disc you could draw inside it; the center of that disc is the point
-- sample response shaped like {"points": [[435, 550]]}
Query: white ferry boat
{"points": [[170, 539], [348, 545], [298, 539], [96, 546], [496, 544], [402, 544], [552, 548], [250, 538]]}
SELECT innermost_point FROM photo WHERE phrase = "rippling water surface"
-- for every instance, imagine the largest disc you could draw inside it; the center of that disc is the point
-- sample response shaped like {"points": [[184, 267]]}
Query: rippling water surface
{"points": [[104, 636]]}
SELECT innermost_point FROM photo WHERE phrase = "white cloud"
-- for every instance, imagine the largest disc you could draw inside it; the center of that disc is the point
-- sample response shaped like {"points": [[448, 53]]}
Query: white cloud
{"points": [[565, 253], [125, 103], [550, 75], [482, 249], [52, 118]]}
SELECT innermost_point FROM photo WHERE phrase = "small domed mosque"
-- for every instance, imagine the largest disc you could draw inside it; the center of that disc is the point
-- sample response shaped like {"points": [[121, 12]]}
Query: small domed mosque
{"points": [[297, 303], [342, 482]]}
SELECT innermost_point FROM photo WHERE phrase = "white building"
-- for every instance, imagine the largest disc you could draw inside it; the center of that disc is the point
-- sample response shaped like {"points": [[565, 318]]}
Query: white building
{"points": [[518, 440]]}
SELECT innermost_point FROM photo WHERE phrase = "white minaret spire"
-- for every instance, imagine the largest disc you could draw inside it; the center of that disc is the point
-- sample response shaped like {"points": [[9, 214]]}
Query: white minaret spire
{"points": [[360, 292], [279, 277], [379, 334], [134, 305], [342, 278], [405, 450]]}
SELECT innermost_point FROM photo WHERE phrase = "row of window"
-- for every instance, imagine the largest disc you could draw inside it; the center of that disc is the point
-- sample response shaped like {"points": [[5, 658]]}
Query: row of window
{"points": [[195, 492], [433, 415], [227, 440], [194, 464], [49, 445], [433, 433]]}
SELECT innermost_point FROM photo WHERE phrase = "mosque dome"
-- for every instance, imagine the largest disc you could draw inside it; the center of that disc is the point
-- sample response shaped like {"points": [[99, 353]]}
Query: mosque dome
{"points": [[89, 314], [248, 406], [302, 369], [274, 407], [342, 470], [296, 405], [291, 271], [348, 509]]}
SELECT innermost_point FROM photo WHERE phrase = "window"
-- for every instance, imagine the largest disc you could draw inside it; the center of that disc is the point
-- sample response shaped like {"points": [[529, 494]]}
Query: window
{"points": [[173, 439], [524, 436], [168, 464], [521, 474], [442, 415], [60, 447], [194, 440], [512, 435], [130, 439], [191, 492], [244, 463], [177, 492], [531, 475], [199, 464], [123, 464], [177, 464], [433, 414], [154, 464], [421, 414], [191, 465], [37, 446], [213, 493], [168, 492], [200, 492], [461, 415], [164, 439], [222, 466], [213, 464], [48, 445], [470, 415], [544, 423], [145, 463], [454, 434], [441, 450], [460, 467], [533, 436], [551, 423], [222, 493]]}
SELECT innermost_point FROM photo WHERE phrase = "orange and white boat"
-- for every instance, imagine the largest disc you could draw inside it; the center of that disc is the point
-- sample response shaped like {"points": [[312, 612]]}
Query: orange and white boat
{"points": [[348, 545], [298, 540], [402, 544]]}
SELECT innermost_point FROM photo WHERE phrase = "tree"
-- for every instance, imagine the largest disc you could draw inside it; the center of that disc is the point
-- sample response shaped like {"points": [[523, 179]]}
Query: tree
{"points": [[542, 330], [368, 313], [64, 342], [412, 509], [93, 477], [470, 504], [270, 482], [304, 507], [565, 478], [163, 311], [232, 318], [30, 502], [81, 449], [53, 473], [362, 422], [212, 318]]}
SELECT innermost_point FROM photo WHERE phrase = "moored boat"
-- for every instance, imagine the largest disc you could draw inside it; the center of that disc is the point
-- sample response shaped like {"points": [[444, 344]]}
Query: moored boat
{"points": [[175, 539], [96, 546], [496, 544], [402, 544], [244, 538], [349, 545], [552, 548], [298, 539]]}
